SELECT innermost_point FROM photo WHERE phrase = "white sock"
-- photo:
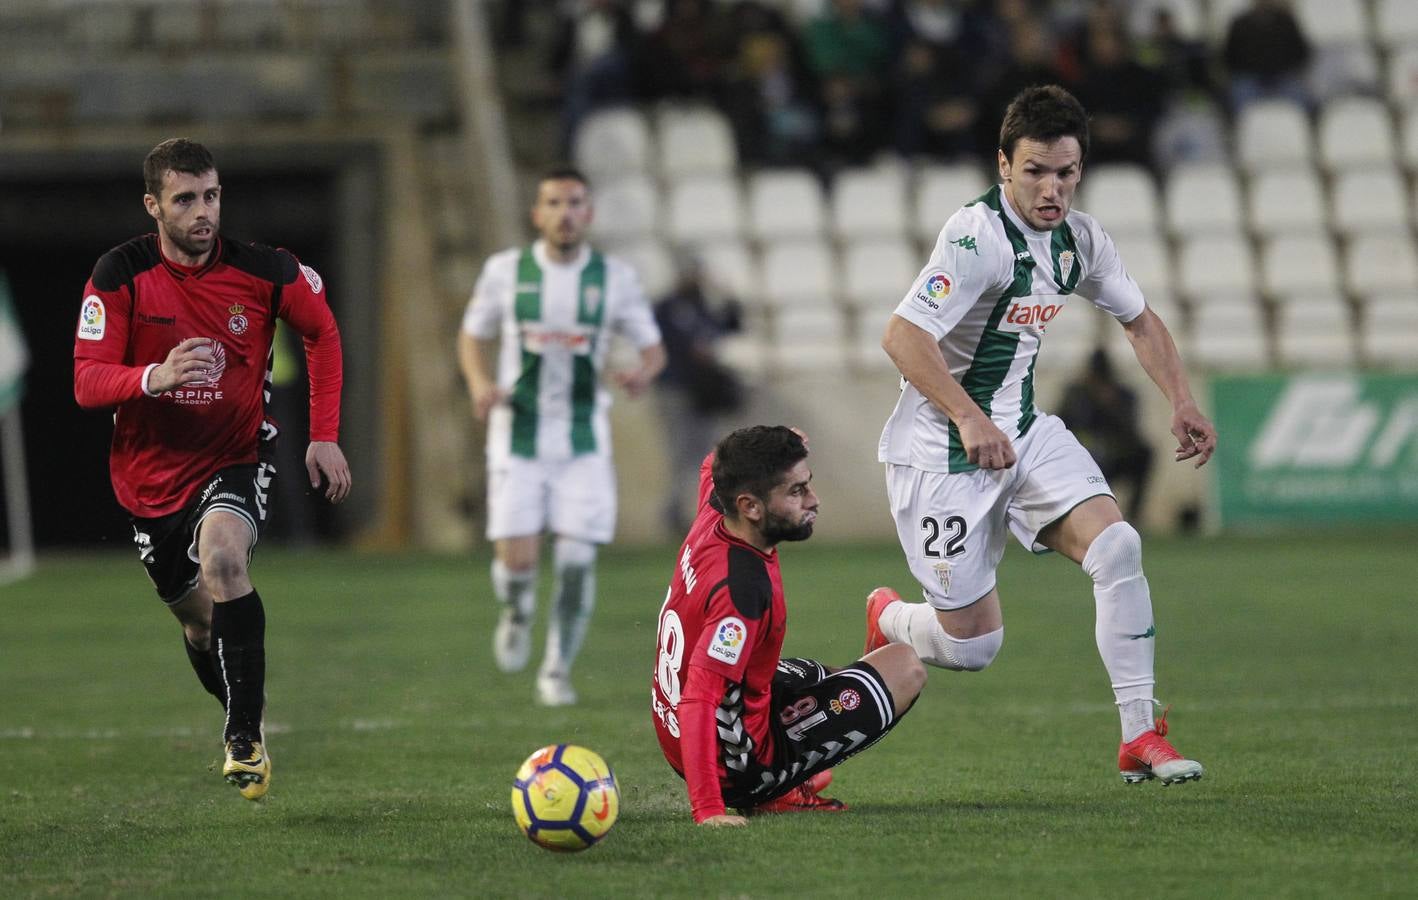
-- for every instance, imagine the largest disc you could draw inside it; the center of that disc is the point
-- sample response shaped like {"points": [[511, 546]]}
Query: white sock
{"points": [[515, 589], [916, 624], [573, 599], [1124, 629]]}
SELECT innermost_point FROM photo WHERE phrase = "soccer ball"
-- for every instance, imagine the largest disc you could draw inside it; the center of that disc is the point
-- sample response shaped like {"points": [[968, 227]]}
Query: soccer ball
{"points": [[565, 797]]}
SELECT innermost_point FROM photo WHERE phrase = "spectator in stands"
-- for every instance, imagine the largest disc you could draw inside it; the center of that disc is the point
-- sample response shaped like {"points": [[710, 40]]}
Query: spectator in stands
{"points": [[686, 55], [1122, 96], [934, 81], [1266, 55], [595, 55], [770, 103], [1102, 412], [1182, 63], [849, 49], [695, 389], [1032, 61]]}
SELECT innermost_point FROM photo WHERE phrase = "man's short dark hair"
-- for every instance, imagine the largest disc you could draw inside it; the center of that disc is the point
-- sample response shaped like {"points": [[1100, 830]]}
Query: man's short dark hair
{"points": [[1043, 113], [175, 155], [754, 460], [564, 173]]}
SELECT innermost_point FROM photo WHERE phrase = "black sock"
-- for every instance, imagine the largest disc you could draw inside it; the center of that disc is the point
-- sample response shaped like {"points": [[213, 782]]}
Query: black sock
{"points": [[239, 639], [205, 665]]}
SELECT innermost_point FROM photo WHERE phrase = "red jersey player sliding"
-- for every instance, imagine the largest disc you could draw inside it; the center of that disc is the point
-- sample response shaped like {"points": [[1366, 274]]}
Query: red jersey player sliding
{"points": [[175, 331], [745, 728]]}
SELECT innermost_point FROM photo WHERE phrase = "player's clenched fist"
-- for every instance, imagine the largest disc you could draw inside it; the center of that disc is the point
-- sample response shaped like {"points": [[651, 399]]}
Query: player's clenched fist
{"points": [[186, 363]]}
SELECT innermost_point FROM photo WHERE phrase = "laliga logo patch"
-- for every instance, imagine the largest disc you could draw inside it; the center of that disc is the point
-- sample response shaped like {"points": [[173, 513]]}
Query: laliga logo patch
{"points": [[312, 278], [238, 323], [728, 640], [92, 320], [938, 286]]}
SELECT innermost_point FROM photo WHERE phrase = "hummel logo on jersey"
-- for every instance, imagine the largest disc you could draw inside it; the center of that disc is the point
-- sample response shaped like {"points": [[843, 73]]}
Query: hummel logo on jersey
{"points": [[966, 242], [1150, 632]]}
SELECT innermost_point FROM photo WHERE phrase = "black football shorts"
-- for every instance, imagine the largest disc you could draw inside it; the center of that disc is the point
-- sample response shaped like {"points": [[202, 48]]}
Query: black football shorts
{"points": [[167, 544], [819, 720]]}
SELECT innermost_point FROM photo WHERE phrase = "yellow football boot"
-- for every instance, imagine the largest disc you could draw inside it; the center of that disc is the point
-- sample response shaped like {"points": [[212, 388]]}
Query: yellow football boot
{"points": [[248, 767]]}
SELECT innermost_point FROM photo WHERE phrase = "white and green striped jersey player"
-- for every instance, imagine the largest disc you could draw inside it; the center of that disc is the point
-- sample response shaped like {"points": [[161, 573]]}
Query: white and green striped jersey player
{"points": [[555, 322], [987, 294]]}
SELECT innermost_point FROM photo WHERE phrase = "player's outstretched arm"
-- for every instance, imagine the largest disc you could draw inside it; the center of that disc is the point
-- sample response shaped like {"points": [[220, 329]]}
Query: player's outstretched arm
{"points": [[327, 459], [1152, 342], [635, 381], [725, 820]]}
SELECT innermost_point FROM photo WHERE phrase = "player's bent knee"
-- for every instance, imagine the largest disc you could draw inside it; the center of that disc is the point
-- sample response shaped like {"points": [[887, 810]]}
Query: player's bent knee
{"points": [[573, 552], [1115, 554], [965, 655], [223, 565]]}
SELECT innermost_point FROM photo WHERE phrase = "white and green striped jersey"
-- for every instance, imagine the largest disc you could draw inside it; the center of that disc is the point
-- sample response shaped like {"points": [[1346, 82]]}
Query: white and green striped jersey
{"points": [[555, 322], [989, 290]]}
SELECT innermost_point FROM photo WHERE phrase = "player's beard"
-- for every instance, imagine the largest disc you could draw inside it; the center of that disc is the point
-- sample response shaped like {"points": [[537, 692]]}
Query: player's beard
{"points": [[777, 529], [188, 246]]}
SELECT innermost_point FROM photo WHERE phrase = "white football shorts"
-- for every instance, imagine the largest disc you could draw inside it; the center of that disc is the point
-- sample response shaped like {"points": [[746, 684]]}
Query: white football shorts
{"points": [[953, 526], [573, 498]]}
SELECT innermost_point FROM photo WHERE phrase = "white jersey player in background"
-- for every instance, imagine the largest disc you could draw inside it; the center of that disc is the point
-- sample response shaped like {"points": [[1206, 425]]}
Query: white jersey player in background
{"points": [[553, 307], [969, 455]]}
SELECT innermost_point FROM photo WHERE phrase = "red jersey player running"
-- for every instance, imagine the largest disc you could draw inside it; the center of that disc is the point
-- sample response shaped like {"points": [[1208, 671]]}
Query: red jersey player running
{"points": [[175, 331], [743, 727]]}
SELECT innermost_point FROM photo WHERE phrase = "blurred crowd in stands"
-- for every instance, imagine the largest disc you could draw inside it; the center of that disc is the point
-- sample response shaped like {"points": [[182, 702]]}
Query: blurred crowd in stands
{"points": [[921, 78]]}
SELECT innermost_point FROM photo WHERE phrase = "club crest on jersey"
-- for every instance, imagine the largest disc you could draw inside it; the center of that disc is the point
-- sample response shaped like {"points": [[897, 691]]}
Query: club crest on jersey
{"points": [[942, 575], [1065, 264], [591, 297], [238, 323], [312, 278], [93, 321], [728, 640], [846, 701]]}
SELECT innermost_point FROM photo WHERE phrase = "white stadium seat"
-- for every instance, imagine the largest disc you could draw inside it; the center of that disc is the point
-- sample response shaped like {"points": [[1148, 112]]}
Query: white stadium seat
{"points": [[1202, 198], [1314, 331], [1188, 17], [940, 191], [1299, 263], [877, 273], [1286, 201], [613, 142], [1396, 23], [1271, 133], [870, 203], [729, 266], [1402, 78], [1381, 263], [1369, 200], [1345, 70], [1122, 198], [707, 207], [1215, 268], [1147, 260], [695, 140], [1355, 131], [1332, 21], [1229, 336], [785, 203], [798, 273], [626, 209], [1388, 334], [651, 259], [1409, 147], [810, 338], [869, 325], [1072, 334]]}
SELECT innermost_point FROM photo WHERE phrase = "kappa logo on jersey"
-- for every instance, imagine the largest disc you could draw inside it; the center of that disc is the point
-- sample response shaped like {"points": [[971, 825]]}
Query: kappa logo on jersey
{"points": [[1029, 315], [92, 319], [312, 278], [728, 640]]}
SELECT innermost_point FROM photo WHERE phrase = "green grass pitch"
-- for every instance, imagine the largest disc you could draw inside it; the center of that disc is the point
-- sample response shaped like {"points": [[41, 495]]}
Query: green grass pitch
{"points": [[1290, 660]]}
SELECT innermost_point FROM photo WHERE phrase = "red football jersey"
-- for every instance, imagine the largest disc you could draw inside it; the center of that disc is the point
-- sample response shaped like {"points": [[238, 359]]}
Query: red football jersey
{"points": [[721, 628], [138, 305]]}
